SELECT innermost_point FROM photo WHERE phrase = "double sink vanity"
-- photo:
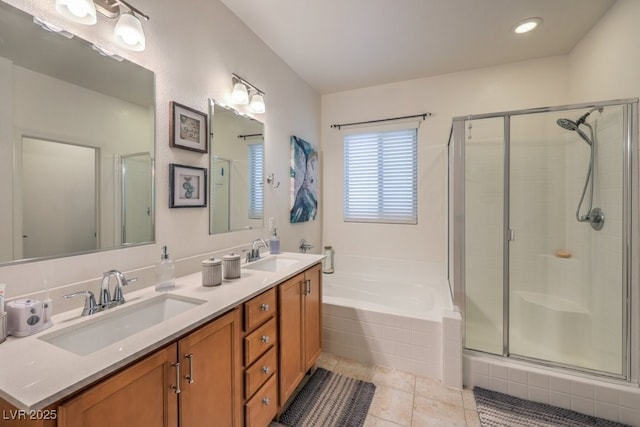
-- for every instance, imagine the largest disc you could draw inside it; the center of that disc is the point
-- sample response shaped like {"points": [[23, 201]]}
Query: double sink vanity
{"points": [[230, 355]]}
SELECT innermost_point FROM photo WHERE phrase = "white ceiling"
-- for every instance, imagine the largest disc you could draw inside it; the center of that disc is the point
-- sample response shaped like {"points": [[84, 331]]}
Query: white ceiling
{"points": [[338, 45]]}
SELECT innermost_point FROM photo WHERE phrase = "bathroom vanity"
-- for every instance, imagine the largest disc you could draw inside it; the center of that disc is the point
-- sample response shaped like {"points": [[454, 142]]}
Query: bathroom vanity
{"points": [[234, 358]]}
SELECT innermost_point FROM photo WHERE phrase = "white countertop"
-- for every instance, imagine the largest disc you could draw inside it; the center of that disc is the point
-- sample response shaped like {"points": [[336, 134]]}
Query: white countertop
{"points": [[35, 373]]}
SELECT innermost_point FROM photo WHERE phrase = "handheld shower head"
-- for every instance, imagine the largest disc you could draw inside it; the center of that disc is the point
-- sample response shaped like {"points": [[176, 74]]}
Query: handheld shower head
{"points": [[567, 124]]}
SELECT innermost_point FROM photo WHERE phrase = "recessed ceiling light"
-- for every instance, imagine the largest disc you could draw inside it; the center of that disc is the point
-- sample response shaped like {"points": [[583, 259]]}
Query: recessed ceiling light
{"points": [[527, 25]]}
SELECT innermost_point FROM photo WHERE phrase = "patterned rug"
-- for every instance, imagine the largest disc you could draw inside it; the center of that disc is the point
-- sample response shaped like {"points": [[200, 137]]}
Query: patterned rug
{"points": [[330, 400], [501, 410]]}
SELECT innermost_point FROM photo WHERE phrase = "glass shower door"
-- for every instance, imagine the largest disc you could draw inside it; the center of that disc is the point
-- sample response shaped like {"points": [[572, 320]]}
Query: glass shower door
{"points": [[484, 156], [566, 282]]}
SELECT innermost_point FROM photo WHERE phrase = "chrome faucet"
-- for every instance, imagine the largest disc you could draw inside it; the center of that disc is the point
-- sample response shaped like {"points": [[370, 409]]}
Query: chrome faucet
{"points": [[106, 301], [304, 246], [254, 253]]}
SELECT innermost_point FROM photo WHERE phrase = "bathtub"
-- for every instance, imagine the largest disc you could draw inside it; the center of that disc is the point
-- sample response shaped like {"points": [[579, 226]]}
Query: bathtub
{"points": [[392, 313]]}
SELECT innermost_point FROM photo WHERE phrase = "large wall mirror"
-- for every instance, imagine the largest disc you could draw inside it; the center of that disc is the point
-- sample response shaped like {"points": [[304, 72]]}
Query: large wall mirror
{"points": [[76, 145], [237, 170]]}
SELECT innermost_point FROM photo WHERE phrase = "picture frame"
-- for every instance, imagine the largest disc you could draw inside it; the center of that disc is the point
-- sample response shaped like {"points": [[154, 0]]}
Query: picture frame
{"points": [[187, 186], [188, 128], [304, 174]]}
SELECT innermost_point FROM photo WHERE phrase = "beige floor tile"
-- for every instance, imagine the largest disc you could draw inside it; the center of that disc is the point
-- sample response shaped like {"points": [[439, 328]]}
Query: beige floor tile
{"points": [[468, 399], [472, 418], [392, 405], [433, 389], [328, 361], [372, 421], [354, 369], [434, 413], [395, 379]]}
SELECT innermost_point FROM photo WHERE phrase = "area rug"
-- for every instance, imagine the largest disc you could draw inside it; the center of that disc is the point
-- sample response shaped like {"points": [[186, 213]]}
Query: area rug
{"points": [[329, 399], [498, 409]]}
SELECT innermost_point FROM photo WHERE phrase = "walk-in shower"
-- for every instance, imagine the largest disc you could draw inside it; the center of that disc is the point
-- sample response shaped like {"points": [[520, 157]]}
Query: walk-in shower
{"points": [[533, 283]]}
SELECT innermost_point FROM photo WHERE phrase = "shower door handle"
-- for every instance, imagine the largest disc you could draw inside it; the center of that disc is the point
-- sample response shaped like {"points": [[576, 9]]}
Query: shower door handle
{"points": [[511, 235]]}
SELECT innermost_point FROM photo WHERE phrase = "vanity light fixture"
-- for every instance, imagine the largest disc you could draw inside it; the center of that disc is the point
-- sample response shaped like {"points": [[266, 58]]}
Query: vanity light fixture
{"points": [[127, 32], [527, 25], [245, 93]]}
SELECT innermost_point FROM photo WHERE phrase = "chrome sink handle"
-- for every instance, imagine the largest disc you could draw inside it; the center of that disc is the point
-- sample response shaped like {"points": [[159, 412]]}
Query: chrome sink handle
{"points": [[90, 305]]}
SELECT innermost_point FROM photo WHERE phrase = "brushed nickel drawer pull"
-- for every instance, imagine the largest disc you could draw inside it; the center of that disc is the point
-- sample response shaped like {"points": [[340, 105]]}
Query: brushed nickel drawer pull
{"points": [[189, 376], [264, 307], [176, 387], [266, 401], [266, 370], [265, 339]]}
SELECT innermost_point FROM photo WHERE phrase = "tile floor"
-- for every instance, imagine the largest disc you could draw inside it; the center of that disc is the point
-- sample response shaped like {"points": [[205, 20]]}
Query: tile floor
{"points": [[404, 399]]}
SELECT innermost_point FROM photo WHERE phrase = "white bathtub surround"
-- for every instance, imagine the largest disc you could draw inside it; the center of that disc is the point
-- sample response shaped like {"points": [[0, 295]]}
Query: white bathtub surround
{"points": [[452, 351], [615, 401], [388, 312]]}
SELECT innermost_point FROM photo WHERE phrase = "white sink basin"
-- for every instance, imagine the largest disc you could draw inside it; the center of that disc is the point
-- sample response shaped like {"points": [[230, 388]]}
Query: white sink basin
{"points": [[105, 329], [274, 263]]}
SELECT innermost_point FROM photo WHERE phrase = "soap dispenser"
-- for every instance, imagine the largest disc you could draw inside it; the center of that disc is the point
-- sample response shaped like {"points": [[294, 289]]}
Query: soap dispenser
{"points": [[274, 242], [165, 272]]}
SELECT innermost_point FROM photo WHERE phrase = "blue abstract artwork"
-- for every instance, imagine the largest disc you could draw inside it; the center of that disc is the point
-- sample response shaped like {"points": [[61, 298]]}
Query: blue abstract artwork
{"points": [[304, 181]]}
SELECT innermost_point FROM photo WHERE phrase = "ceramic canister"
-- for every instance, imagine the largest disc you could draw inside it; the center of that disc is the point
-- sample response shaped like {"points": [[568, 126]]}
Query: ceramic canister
{"points": [[231, 266], [211, 272]]}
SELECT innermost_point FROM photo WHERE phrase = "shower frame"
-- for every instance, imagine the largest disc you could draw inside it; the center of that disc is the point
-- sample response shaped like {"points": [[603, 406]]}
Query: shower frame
{"points": [[630, 222]]}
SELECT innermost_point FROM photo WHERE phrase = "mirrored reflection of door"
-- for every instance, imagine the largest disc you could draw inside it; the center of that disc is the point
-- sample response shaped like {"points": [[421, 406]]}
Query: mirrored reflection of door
{"points": [[59, 198], [220, 195], [137, 212]]}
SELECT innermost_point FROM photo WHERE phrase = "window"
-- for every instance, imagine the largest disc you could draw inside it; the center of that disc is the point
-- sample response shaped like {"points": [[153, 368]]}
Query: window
{"points": [[380, 177], [256, 174]]}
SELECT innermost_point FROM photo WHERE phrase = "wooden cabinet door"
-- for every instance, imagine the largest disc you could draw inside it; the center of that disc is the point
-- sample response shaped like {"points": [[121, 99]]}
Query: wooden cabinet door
{"points": [[290, 312], [312, 316], [139, 395], [210, 369]]}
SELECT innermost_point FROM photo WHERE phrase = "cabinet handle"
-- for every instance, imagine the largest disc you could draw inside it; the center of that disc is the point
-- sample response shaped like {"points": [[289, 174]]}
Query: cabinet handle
{"points": [[189, 377], [264, 307], [176, 387], [265, 339], [306, 290], [266, 401], [266, 370], [308, 286]]}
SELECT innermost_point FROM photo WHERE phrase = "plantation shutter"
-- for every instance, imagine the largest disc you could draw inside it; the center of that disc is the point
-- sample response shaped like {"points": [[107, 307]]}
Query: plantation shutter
{"points": [[380, 177], [256, 174]]}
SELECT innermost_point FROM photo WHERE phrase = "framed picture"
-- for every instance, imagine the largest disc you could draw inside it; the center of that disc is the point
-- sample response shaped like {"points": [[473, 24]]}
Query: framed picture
{"points": [[304, 181], [187, 186], [188, 128]]}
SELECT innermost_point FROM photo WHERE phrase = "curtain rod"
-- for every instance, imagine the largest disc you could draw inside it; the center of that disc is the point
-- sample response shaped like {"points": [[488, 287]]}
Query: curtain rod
{"points": [[251, 135], [423, 115]]}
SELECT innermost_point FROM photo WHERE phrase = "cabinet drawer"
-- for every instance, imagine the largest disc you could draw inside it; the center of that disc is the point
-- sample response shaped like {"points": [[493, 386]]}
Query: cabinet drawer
{"points": [[259, 309], [258, 373], [259, 341], [263, 407]]}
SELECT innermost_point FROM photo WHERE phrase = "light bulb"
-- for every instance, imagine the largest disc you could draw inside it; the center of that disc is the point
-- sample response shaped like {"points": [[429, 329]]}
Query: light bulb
{"points": [[257, 104], [80, 11], [527, 25], [128, 32], [239, 95]]}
